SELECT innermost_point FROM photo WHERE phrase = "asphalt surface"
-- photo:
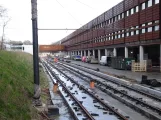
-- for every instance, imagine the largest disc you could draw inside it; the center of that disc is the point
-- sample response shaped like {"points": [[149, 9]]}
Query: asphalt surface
{"points": [[129, 74]]}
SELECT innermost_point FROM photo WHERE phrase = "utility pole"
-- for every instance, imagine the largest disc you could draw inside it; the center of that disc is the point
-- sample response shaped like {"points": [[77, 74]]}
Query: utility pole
{"points": [[2, 37], [37, 89]]}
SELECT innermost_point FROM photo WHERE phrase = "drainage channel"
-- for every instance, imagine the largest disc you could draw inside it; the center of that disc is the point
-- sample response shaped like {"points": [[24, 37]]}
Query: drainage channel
{"points": [[141, 104], [94, 105]]}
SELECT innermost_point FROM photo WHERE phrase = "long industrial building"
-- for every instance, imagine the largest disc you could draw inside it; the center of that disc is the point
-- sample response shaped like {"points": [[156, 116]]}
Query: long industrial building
{"points": [[129, 29]]}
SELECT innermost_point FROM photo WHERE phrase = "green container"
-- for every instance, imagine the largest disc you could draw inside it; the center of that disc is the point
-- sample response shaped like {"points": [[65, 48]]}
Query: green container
{"points": [[114, 62], [128, 63], [121, 63]]}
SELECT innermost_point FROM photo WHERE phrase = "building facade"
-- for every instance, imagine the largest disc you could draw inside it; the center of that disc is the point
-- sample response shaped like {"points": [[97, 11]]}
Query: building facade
{"points": [[129, 29]]}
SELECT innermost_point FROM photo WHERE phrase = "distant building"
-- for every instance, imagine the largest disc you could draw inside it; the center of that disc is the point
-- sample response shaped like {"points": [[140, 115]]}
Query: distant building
{"points": [[23, 48]]}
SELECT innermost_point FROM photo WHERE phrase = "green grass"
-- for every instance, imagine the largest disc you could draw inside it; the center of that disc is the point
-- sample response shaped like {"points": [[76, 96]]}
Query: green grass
{"points": [[16, 85]]}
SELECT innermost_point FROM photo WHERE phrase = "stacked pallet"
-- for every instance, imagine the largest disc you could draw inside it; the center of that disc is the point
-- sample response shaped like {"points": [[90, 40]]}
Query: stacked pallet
{"points": [[139, 66]]}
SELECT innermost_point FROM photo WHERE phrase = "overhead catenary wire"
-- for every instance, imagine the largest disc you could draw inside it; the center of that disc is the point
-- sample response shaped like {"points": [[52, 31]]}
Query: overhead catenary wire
{"points": [[85, 4], [68, 12], [88, 29]]}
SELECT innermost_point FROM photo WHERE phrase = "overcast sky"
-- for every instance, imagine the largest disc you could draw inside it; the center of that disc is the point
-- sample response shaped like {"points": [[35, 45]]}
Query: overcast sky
{"points": [[56, 14]]}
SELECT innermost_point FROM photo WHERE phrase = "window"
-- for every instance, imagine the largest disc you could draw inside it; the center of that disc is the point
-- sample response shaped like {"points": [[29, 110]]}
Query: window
{"points": [[107, 22], [143, 6], [116, 18], [123, 35], [111, 20], [149, 23], [122, 15], [119, 17], [127, 34], [156, 1], [156, 28], [149, 3], [115, 35], [132, 11], [127, 13], [119, 36], [137, 9], [157, 21], [143, 30], [132, 33], [106, 37], [112, 36], [149, 29], [137, 31], [109, 37]]}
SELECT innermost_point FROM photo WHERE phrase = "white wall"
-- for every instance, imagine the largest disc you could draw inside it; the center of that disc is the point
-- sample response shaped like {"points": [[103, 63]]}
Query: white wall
{"points": [[28, 49]]}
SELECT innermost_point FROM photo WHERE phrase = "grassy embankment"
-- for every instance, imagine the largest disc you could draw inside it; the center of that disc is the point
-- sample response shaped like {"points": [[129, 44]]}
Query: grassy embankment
{"points": [[16, 86]]}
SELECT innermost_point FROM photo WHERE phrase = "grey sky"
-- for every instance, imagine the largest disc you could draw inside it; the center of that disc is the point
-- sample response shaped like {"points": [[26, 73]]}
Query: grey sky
{"points": [[51, 14]]}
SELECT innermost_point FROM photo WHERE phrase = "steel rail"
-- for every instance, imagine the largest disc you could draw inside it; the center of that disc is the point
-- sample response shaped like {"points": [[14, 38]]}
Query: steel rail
{"points": [[66, 89], [118, 91], [103, 103], [141, 92]]}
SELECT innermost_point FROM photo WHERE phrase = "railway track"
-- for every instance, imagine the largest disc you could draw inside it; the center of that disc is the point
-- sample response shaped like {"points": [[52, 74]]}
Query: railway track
{"points": [[75, 95], [141, 102], [128, 87]]}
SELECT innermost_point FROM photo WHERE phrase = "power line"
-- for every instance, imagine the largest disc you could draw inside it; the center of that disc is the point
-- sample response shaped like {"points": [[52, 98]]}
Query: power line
{"points": [[68, 12], [84, 4]]}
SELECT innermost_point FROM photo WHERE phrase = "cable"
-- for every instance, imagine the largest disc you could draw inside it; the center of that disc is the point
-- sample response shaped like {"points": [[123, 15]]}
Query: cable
{"points": [[85, 4], [68, 12]]}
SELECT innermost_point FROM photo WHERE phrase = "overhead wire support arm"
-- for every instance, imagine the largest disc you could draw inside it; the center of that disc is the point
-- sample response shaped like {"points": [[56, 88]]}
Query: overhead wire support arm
{"points": [[86, 29]]}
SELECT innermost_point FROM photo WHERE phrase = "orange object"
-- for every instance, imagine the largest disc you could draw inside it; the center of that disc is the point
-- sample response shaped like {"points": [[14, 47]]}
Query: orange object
{"points": [[55, 60], [55, 87], [51, 48], [92, 84]]}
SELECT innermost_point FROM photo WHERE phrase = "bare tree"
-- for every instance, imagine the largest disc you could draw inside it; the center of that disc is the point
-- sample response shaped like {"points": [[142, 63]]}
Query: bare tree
{"points": [[4, 19], [2, 11]]}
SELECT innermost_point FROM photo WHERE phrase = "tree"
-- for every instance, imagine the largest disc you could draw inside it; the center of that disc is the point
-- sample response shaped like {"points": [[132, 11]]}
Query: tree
{"points": [[27, 42], [16, 43], [4, 19], [2, 11]]}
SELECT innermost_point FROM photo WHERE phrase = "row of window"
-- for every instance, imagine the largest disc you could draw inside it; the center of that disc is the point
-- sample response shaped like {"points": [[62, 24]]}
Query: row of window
{"points": [[121, 34], [143, 6], [151, 28], [135, 30], [129, 32], [149, 3]]}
